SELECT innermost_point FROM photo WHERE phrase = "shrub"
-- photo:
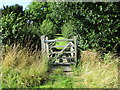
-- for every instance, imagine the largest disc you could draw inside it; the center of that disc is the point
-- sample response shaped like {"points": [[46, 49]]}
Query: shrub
{"points": [[96, 24], [48, 28], [17, 30], [69, 29]]}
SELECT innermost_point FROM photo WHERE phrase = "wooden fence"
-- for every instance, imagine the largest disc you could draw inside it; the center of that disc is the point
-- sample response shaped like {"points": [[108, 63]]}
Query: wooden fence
{"points": [[68, 52]]}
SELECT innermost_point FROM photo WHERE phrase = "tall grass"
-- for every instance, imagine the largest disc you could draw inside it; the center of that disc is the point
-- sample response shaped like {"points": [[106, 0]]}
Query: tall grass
{"points": [[96, 74], [22, 68]]}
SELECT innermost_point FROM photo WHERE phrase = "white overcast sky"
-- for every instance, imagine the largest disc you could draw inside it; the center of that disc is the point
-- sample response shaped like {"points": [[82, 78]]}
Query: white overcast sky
{"points": [[24, 3]]}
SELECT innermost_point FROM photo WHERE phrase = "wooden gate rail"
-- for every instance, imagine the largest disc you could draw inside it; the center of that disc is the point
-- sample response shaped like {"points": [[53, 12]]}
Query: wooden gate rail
{"points": [[55, 40], [64, 52]]}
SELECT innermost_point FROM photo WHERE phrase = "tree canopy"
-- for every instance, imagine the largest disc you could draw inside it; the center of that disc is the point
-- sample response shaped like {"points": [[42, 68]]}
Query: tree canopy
{"points": [[95, 24], [14, 8]]}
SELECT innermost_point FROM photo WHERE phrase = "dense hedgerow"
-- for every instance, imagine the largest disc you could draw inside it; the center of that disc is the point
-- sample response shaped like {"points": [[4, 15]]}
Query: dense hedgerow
{"points": [[16, 30], [96, 24]]}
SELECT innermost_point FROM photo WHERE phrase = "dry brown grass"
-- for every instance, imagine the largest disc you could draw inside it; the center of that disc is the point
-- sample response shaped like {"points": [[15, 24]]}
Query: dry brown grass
{"points": [[96, 74], [20, 63], [89, 56]]}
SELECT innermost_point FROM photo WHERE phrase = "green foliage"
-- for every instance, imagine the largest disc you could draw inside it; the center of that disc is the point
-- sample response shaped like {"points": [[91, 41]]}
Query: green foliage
{"points": [[69, 29], [90, 74], [95, 24], [57, 71], [21, 68], [12, 80], [48, 28], [9, 25], [37, 11], [16, 30], [60, 81], [17, 9], [62, 43]]}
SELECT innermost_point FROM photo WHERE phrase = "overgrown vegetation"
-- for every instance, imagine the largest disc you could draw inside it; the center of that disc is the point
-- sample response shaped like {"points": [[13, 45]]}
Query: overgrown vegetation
{"points": [[90, 74], [96, 26], [95, 72], [22, 68]]}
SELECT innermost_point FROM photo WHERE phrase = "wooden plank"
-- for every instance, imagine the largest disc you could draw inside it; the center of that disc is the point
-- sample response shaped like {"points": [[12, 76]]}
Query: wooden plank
{"points": [[75, 43], [55, 40], [72, 49], [63, 64], [43, 44], [65, 57], [61, 52], [49, 41], [64, 52], [60, 46], [47, 48]]}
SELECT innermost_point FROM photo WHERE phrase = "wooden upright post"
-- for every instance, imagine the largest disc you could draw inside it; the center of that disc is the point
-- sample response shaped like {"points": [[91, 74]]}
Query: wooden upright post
{"points": [[43, 44], [75, 42], [47, 48]]}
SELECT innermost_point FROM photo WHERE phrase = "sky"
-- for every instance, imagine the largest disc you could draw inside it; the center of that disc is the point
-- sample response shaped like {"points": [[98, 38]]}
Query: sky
{"points": [[24, 3]]}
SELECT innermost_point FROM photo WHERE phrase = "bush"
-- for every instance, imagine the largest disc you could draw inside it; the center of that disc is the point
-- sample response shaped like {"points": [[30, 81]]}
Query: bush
{"points": [[48, 28], [96, 24], [69, 29], [17, 30]]}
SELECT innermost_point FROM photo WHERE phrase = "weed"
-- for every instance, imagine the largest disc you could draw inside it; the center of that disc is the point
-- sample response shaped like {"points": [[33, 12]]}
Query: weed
{"points": [[21, 68], [59, 81], [95, 74], [58, 71]]}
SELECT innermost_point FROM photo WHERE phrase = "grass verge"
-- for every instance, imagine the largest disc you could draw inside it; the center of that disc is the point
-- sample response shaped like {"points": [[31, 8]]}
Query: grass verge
{"points": [[22, 69], [93, 72]]}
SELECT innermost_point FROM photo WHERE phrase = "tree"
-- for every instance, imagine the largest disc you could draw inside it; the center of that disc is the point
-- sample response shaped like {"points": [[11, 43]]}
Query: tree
{"points": [[98, 23], [95, 24], [17, 9], [48, 28], [37, 12]]}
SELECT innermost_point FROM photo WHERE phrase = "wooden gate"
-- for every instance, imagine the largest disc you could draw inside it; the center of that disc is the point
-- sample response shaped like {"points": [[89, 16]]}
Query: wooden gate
{"points": [[66, 55]]}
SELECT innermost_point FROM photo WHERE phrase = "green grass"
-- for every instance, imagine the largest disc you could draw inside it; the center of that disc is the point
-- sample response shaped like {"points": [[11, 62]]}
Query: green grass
{"points": [[90, 74], [61, 43], [58, 81], [23, 69]]}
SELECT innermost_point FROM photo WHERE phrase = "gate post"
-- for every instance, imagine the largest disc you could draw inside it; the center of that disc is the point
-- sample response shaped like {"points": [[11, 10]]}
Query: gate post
{"points": [[47, 48], [43, 44], [75, 42]]}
